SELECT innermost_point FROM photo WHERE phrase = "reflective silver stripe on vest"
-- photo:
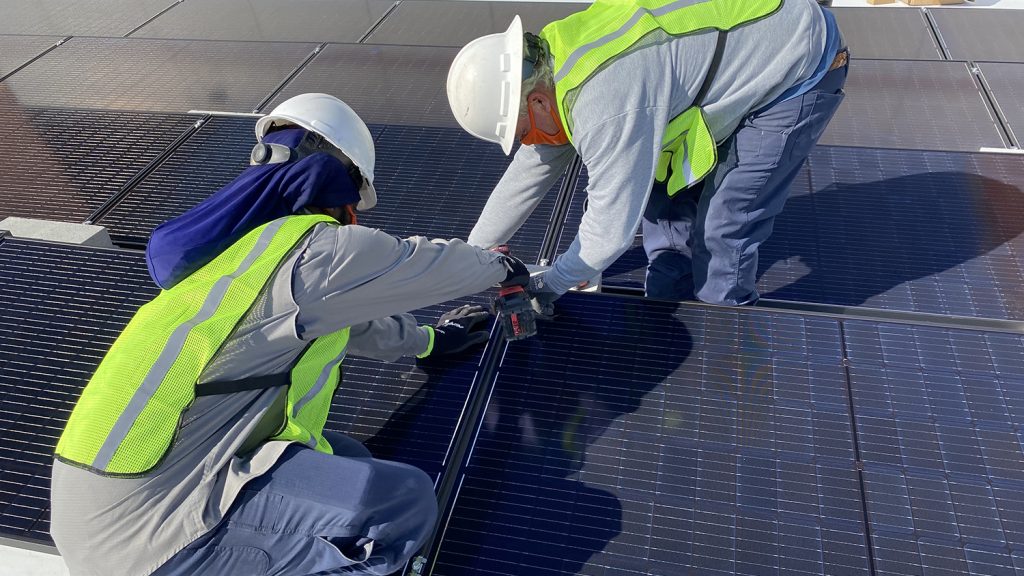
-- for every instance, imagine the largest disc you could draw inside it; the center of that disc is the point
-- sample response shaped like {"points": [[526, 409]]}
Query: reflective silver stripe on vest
{"points": [[173, 348], [578, 53], [687, 166], [320, 382]]}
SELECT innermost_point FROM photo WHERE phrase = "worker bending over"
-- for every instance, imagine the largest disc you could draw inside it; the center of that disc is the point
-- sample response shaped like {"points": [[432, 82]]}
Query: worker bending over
{"points": [[691, 118], [198, 445]]}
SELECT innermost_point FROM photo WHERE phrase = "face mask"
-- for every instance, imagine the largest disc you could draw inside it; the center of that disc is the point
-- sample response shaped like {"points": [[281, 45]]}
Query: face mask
{"points": [[537, 136]]}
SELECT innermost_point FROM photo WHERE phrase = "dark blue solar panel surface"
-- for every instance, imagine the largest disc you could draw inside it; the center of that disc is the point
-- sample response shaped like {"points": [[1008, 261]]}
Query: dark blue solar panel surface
{"points": [[920, 105], [61, 307], [434, 182], [208, 160], [939, 417], [407, 410], [636, 437], [935, 232], [64, 163]]}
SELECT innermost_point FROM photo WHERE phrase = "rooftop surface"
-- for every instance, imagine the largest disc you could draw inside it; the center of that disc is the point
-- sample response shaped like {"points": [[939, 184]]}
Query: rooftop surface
{"points": [[866, 418]]}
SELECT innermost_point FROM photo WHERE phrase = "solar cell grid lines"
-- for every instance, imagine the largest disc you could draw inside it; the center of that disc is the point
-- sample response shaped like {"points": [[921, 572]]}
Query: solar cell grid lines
{"points": [[924, 231], [64, 163], [407, 410], [210, 159], [156, 75], [1006, 81], [914, 105], [643, 437], [401, 85], [939, 416], [17, 50], [61, 307], [434, 182]]}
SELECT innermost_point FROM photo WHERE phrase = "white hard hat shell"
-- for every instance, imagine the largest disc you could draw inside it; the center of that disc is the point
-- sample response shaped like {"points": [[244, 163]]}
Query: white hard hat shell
{"points": [[485, 83], [338, 124]]}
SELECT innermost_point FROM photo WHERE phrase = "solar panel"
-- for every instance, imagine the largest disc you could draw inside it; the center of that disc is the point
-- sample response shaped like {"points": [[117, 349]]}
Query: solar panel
{"points": [[896, 229], [78, 17], [156, 75], [17, 50], [900, 34], [1006, 81], [981, 34], [383, 84], [918, 105], [64, 163], [638, 437], [408, 410], [207, 161], [939, 415], [434, 182], [266, 20], [453, 23], [909, 230], [61, 307]]}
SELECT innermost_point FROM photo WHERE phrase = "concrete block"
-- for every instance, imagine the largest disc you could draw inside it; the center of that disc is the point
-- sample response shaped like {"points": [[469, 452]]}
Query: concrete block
{"points": [[52, 231]]}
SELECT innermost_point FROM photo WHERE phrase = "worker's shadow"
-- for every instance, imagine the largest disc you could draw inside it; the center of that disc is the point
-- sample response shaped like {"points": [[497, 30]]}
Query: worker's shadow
{"points": [[556, 441], [853, 242]]}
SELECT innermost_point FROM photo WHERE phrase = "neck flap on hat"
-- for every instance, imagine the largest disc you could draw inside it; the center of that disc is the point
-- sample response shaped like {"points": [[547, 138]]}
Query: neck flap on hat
{"points": [[258, 195]]}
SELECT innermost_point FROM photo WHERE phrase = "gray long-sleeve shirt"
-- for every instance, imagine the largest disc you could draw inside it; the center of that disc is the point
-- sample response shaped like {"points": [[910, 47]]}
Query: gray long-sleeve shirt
{"points": [[339, 276], [619, 117]]}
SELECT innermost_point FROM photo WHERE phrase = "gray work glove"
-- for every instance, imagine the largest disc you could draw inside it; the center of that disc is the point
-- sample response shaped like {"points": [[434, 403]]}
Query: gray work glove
{"points": [[543, 298], [459, 329]]}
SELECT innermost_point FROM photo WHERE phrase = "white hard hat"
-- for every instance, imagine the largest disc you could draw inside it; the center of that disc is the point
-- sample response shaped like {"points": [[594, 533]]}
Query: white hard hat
{"points": [[338, 124], [485, 83]]}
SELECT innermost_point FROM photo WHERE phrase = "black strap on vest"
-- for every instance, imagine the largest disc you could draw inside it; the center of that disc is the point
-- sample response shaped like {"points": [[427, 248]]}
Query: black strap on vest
{"points": [[243, 385], [716, 60]]}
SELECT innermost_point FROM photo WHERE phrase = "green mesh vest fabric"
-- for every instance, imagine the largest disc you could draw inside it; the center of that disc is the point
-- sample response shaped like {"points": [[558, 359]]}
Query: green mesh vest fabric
{"points": [[129, 413], [584, 42]]}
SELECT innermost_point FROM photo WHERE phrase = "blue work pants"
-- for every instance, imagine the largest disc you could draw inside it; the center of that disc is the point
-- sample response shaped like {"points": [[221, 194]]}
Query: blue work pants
{"points": [[703, 242], [316, 513]]}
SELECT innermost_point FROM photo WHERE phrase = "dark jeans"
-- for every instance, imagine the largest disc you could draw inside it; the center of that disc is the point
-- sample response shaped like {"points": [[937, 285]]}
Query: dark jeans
{"points": [[703, 242]]}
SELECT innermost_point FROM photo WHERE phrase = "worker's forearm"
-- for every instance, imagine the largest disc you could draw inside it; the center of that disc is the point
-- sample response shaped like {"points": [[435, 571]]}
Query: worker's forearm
{"points": [[530, 175], [352, 275], [389, 338]]}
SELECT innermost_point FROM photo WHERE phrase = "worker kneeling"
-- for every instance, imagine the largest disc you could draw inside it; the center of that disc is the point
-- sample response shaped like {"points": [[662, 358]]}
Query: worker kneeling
{"points": [[198, 445]]}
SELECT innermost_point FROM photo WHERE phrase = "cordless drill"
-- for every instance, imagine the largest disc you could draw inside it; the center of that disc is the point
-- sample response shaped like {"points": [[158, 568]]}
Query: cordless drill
{"points": [[515, 312], [514, 309]]}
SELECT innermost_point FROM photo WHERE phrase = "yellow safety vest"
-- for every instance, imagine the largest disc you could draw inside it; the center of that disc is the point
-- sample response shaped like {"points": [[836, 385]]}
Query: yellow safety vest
{"points": [[130, 412], [583, 42]]}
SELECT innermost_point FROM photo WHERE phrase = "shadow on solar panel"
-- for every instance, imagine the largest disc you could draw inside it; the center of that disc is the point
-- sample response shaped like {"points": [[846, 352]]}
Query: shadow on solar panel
{"points": [[919, 231]]}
